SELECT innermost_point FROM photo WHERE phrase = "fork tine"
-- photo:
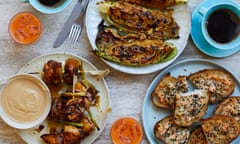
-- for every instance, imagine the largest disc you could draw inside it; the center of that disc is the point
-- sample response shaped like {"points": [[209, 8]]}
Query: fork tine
{"points": [[71, 32], [78, 32], [74, 33]]}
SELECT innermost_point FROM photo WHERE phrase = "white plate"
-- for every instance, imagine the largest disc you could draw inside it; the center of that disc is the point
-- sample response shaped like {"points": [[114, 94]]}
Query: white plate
{"points": [[182, 16], [151, 114], [31, 136]]}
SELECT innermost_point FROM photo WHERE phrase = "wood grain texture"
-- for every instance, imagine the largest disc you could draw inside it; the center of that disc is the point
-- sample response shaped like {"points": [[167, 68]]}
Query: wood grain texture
{"points": [[126, 91]]}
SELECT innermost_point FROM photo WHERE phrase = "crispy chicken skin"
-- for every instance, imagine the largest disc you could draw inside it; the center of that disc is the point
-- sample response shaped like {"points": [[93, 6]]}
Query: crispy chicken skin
{"points": [[71, 105], [70, 134], [70, 111], [52, 72], [71, 67], [52, 138]]}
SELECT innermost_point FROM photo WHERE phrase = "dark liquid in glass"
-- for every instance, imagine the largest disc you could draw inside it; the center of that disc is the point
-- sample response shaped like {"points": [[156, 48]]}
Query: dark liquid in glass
{"points": [[223, 26], [49, 2]]}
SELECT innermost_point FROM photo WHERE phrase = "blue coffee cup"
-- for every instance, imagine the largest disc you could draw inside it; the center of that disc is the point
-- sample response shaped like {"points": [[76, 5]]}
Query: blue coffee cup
{"points": [[56, 8], [216, 29]]}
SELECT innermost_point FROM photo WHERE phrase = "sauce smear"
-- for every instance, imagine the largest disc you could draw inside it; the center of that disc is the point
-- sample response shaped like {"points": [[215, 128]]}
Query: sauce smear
{"points": [[25, 28]]}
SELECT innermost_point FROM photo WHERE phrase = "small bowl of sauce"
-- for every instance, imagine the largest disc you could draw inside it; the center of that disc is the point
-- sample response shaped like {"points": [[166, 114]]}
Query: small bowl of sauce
{"points": [[25, 28], [25, 101]]}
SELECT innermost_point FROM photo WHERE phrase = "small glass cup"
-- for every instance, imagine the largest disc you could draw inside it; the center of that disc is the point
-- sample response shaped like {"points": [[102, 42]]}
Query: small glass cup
{"points": [[25, 28]]}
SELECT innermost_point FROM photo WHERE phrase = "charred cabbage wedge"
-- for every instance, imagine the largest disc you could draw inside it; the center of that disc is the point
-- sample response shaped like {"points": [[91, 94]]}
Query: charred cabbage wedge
{"points": [[132, 18], [135, 35], [156, 3], [131, 49], [138, 53]]}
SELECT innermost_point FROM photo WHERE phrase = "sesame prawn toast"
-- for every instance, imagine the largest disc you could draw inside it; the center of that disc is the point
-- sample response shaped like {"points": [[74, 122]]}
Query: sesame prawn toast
{"points": [[167, 131], [190, 107], [167, 88], [197, 136], [229, 107], [220, 129], [218, 82]]}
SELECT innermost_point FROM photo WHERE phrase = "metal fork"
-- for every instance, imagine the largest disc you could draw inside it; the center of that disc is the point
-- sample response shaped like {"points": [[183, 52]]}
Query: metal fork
{"points": [[75, 32], [77, 27]]}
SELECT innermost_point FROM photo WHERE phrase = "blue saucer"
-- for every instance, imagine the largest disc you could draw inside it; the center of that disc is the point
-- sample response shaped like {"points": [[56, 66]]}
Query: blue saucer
{"points": [[199, 39]]}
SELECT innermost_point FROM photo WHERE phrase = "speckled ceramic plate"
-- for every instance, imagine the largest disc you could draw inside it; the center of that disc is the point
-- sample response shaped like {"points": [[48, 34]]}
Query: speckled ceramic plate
{"points": [[182, 16], [151, 114], [31, 136]]}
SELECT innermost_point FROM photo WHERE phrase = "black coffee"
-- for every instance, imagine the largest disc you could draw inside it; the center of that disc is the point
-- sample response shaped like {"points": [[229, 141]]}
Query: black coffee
{"points": [[223, 26], [49, 2]]}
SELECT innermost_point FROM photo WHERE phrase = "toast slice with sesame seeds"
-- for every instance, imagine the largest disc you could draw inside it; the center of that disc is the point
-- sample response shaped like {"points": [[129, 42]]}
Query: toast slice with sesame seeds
{"points": [[167, 131], [218, 82], [164, 93], [220, 129], [190, 107], [229, 107], [197, 136]]}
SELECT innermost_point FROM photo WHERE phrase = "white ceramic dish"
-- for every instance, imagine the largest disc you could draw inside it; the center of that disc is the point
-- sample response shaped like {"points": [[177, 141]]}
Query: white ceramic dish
{"points": [[21, 106], [31, 136], [151, 114], [182, 16]]}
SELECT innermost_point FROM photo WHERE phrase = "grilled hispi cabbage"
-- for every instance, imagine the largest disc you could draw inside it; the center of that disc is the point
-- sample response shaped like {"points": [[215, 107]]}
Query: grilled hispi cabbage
{"points": [[132, 18], [156, 3], [135, 35], [138, 53]]}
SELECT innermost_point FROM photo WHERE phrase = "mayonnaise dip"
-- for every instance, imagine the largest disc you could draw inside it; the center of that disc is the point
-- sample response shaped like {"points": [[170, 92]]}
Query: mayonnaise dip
{"points": [[24, 99]]}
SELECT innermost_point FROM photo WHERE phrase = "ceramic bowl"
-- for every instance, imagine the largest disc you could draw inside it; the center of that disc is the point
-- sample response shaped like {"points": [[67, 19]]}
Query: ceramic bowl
{"points": [[25, 101], [56, 8]]}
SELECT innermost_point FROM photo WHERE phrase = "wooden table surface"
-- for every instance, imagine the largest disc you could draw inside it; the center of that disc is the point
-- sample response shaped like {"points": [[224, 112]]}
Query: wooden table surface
{"points": [[126, 91]]}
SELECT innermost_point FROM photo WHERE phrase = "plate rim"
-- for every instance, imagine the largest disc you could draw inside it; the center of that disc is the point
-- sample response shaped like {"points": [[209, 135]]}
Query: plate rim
{"points": [[69, 54], [156, 79], [144, 69]]}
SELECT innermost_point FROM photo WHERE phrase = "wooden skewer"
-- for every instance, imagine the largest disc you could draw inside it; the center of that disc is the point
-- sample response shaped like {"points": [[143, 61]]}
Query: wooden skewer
{"points": [[99, 74]]}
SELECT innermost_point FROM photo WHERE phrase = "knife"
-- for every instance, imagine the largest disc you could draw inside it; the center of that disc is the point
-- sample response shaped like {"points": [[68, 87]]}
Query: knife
{"points": [[76, 13]]}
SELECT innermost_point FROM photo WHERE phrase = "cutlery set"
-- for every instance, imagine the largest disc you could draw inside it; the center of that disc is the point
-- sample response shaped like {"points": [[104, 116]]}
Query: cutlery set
{"points": [[74, 24]]}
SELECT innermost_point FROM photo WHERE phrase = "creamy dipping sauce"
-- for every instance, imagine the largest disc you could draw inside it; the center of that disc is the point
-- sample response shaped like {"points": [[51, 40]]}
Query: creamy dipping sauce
{"points": [[24, 99]]}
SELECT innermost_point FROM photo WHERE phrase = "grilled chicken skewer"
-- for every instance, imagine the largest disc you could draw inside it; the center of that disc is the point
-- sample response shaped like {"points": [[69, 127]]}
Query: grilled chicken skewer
{"points": [[53, 73], [71, 109]]}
